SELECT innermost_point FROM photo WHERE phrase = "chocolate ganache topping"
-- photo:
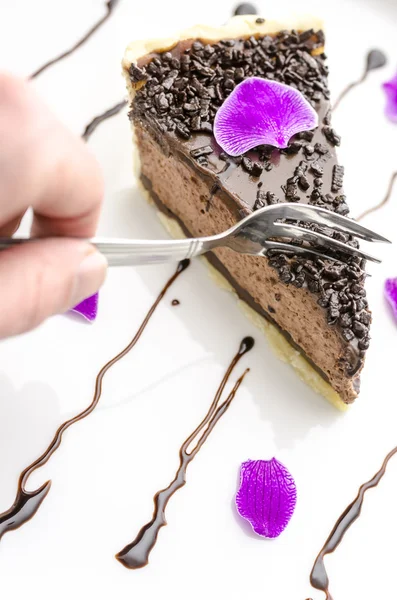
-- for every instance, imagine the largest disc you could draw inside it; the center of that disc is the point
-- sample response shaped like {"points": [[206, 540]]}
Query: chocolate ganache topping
{"points": [[178, 94]]}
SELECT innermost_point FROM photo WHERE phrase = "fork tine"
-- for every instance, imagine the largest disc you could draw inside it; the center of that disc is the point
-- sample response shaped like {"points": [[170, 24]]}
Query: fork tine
{"points": [[322, 216], [299, 233], [298, 250]]}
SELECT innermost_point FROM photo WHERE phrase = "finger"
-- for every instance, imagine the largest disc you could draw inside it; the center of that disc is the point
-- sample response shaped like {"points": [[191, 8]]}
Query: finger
{"points": [[10, 228], [45, 166], [46, 277]]}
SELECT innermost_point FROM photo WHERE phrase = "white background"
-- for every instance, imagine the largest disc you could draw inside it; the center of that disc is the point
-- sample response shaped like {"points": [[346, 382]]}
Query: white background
{"points": [[110, 465]]}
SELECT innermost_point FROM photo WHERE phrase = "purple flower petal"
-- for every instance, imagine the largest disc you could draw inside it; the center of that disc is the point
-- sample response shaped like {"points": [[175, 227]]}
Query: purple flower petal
{"points": [[391, 293], [266, 497], [259, 111], [390, 88], [88, 308]]}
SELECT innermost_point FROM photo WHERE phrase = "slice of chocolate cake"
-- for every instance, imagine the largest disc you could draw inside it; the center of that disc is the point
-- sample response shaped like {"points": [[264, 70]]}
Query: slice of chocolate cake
{"points": [[314, 312]]}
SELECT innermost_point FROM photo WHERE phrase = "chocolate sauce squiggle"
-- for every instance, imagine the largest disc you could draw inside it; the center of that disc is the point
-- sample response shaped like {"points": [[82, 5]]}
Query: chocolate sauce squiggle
{"points": [[318, 576], [383, 202], [136, 554], [96, 121], [27, 503], [110, 6], [375, 60]]}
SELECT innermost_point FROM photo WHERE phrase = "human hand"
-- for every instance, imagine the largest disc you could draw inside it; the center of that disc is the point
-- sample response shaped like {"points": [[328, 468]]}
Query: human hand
{"points": [[44, 166]]}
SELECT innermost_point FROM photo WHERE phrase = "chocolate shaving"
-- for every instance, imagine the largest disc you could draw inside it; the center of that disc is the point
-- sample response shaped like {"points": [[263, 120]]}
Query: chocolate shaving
{"points": [[337, 177], [203, 151]]}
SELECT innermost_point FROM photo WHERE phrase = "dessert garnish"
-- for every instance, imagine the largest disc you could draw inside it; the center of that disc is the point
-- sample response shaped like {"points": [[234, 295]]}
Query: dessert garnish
{"points": [[110, 6], [375, 60], [319, 577], [266, 497], [260, 111], [390, 88], [88, 308], [27, 503], [136, 554], [96, 121], [391, 293]]}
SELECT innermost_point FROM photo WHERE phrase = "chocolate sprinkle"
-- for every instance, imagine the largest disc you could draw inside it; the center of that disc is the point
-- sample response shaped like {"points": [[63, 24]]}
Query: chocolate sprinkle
{"points": [[337, 177], [187, 99], [253, 168], [203, 151], [331, 135], [264, 199]]}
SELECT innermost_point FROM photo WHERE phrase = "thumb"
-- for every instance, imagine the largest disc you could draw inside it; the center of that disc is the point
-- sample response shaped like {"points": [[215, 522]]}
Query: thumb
{"points": [[46, 277]]}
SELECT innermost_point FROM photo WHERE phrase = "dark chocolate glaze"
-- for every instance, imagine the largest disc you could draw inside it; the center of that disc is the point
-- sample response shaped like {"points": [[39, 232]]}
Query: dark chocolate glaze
{"points": [[96, 121], [136, 554], [385, 200], [27, 503], [318, 576], [375, 59], [110, 6], [239, 189]]}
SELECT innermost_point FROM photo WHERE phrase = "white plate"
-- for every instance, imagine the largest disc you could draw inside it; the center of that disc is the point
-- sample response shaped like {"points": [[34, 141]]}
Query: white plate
{"points": [[110, 465]]}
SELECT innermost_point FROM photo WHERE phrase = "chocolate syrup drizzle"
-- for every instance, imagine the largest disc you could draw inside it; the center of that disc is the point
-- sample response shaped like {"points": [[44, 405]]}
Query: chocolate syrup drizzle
{"points": [[110, 6], [385, 200], [27, 503], [318, 577], [136, 554], [96, 121], [375, 60]]}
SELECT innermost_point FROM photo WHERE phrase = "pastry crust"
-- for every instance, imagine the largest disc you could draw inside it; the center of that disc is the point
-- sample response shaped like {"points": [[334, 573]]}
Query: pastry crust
{"points": [[237, 27]]}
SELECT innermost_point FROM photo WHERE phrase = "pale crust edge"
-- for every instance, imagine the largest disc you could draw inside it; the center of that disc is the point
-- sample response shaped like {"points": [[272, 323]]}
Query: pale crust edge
{"points": [[237, 27]]}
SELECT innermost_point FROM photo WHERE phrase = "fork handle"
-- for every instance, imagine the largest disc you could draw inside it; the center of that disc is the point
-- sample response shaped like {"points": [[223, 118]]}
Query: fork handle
{"points": [[120, 252], [148, 252]]}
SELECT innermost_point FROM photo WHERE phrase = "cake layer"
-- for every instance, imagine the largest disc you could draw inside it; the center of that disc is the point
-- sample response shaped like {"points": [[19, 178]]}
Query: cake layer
{"points": [[178, 190], [280, 341], [176, 94]]}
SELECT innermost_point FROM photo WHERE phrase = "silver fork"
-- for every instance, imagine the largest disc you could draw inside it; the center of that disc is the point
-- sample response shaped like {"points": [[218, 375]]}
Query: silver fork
{"points": [[257, 235]]}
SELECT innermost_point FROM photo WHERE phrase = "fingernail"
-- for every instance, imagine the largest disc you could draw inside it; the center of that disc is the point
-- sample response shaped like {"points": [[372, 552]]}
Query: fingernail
{"points": [[89, 277]]}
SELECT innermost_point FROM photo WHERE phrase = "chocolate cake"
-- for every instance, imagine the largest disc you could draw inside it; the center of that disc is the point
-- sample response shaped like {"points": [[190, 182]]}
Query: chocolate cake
{"points": [[315, 312]]}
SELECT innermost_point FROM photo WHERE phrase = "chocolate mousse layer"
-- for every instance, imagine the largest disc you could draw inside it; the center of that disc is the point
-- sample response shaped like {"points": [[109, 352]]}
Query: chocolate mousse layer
{"points": [[319, 305]]}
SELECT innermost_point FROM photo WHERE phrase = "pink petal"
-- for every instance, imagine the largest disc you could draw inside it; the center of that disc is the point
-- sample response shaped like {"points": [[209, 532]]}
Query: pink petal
{"points": [[88, 308], [390, 88], [259, 111], [391, 293], [266, 497]]}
